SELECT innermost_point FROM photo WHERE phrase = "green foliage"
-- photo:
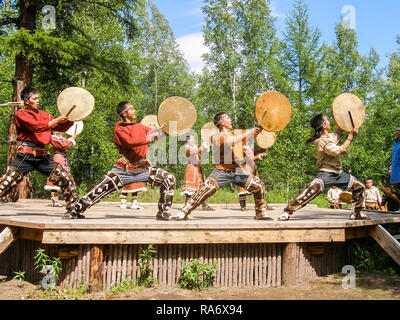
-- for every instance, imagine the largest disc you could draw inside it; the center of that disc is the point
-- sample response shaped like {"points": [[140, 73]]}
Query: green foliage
{"points": [[19, 275], [196, 275], [126, 50], [45, 263], [146, 258], [124, 286]]}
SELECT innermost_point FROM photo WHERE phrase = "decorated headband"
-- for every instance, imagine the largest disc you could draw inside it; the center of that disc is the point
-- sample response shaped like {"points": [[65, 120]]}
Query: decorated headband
{"points": [[222, 119], [126, 109]]}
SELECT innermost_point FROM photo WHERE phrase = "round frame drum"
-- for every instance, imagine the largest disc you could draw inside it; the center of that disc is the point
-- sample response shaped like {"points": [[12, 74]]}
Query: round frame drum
{"points": [[266, 139], [150, 121], [348, 109], [273, 111], [75, 103], [76, 129], [346, 197], [176, 116]]}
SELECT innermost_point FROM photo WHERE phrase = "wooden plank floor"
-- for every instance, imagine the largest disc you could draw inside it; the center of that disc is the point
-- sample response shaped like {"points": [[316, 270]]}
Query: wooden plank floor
{"points": [[108, 215], [107, 223]]}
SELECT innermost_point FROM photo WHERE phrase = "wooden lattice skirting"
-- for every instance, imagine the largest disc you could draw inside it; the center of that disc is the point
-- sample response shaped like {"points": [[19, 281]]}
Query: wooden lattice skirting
{"points": [[252, 265]]}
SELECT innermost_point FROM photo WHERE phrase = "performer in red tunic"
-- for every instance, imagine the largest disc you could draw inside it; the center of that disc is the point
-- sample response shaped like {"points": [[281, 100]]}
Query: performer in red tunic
{"points": [[60, 146], [132, 140], [34, 131], [194, 175]]}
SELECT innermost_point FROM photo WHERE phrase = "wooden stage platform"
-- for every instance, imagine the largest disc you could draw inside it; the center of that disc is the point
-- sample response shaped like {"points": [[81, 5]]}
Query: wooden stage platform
{"points": [[104, 248]]}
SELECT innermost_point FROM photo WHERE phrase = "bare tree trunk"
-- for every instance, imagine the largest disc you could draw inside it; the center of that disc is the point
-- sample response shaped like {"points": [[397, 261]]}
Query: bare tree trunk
{"points": [[156, 94], [22, 78]]}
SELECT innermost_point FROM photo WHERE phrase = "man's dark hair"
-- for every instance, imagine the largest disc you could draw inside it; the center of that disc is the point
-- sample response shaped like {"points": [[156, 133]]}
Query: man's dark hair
{"points": [[28, 92], [218, 117], [121, 107], [316, 123]]}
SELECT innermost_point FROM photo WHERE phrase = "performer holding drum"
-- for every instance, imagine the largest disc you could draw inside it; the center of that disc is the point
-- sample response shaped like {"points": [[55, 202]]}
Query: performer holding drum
{"points": [[34, 132], [330, 171], [132, 140], [230, 162]]}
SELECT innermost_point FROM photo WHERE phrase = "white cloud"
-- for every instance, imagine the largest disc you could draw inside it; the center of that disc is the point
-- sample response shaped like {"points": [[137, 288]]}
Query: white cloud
{"points": [[192, 46], [275, 13]]}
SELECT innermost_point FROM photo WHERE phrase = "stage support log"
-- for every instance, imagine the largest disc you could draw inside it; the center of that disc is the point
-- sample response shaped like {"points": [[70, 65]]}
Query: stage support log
{"points": [[289, 258], [386, 241], [7, 237], [96, 268]]}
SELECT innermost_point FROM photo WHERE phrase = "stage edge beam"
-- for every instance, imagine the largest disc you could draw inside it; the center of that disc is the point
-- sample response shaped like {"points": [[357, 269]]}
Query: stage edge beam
{"points": [[191, 236], [387, 242], [7, 237]]}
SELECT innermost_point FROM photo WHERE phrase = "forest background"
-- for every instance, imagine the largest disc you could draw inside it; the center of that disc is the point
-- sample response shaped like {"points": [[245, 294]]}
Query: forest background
{"points": [[125, 50]]}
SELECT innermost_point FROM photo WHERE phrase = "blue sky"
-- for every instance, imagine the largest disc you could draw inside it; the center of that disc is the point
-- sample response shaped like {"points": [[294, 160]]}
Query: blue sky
{"points": [[377, 23]]}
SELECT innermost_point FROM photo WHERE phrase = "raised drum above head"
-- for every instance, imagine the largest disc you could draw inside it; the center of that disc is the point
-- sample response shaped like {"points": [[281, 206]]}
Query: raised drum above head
{"points": [[348, 111], [273, 111]]}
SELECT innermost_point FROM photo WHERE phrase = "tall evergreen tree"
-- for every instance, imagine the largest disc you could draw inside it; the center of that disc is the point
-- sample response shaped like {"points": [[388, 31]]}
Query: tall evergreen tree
{"points": [[302, 56], [62, 48]]}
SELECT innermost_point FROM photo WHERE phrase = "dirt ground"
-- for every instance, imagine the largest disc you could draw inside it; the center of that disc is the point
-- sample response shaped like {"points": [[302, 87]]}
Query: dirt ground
{"points": [[369, 286]]}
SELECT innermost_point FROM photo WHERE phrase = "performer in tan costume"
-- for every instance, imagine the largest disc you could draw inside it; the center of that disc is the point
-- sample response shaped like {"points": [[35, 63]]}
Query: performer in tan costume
{"points": [[256, 156], [333, 197], [329, 170], [373, 199], [229, 168]]}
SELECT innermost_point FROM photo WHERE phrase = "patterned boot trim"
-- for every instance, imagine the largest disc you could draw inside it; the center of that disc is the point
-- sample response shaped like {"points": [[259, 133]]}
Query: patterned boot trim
{"points": [[312, 191], [201, 195], [166, 182], [8, 183], [110, 183]]}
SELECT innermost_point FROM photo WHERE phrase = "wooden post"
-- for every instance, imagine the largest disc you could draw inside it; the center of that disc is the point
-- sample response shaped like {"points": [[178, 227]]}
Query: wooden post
{"points": [[386, 241], [96, 268], [289, 264], [7, 237], [109, 266]]}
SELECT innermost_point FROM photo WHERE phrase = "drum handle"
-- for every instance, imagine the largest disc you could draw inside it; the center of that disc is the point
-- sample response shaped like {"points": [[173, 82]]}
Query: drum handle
{"points": [[262, 117], [69, 112], [351, 119]]}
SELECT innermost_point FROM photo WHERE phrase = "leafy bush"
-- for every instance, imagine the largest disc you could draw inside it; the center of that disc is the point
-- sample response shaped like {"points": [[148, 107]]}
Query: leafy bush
{"points": [[146, 257], [197, 276], [367, 255], [50, 267]]}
